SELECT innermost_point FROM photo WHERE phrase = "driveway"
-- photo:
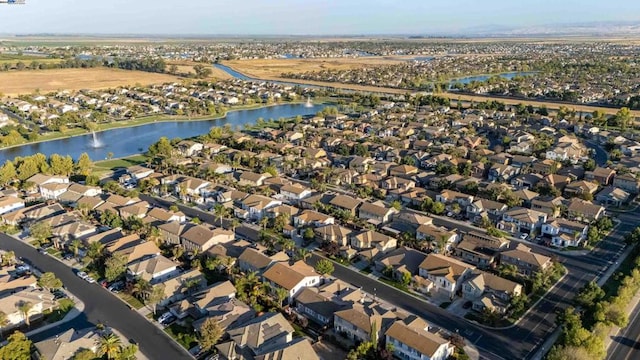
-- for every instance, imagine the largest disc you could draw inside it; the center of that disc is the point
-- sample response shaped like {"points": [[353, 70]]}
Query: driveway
{"points": [[457, 309]]}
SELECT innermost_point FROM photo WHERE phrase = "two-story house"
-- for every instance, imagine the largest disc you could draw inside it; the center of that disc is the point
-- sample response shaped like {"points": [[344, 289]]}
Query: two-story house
{"points": [[527, 221], [376, 212], [584, 211], [565, 232], [411, 340], [372, 239], [333, 233], [526, 261], [447, 274], [487, 290], [292, 278]]}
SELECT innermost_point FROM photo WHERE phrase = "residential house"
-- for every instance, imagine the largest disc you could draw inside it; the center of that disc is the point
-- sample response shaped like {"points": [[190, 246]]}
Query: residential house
{"points": [[257, 205], [65, 345], [437, 237], [484, 208], [252, 260], [604, 176], [400, 261], [316, 306], [526, 261], [295, 193], [502, 172], [369, 239], [376, 212], [488, 291], [410, 339], [333, 233], [580, 188], [450, 196], [199, 238], [248, 178], [447, 274], [565, 232], [178, 286], [10, 302], [152, 269], [362, 321], [612, 196], [345, 203], [480, 250], [627, 182], [292, 278], [585, 211], [10, 203], [312, 218], [526, 221]]}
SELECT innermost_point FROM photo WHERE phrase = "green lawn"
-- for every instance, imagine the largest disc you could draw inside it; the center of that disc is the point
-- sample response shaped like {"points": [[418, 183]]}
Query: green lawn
{"points": [[626, 267], [119, 163], [64, 306], [184, 335], [131, 300]]}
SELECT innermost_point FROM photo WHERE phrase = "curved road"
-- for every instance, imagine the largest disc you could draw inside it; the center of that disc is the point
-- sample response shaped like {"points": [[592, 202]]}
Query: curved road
{"points": [[100, 307]]}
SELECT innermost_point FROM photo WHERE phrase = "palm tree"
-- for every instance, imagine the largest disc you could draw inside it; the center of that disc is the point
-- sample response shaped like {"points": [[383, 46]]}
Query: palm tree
{"points": [[76, 244], [141, 288], [281, 294], [219, 210], [95, 251], [263, 222], [110, 345], [303, 254], [25, 307]]}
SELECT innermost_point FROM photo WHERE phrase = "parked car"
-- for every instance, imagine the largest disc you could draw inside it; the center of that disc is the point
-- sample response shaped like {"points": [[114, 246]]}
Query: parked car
{"points": [[166, 318], [59, 294], [524, 236], [116, 286], [90, 280], [42, 250], [82, 275]]}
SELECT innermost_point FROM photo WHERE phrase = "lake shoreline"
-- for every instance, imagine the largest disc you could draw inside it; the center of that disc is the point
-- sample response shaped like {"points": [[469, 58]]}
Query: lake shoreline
{"points": [[141, 121]]}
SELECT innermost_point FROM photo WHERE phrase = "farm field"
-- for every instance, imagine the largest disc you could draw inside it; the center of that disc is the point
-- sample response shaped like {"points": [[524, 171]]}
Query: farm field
{"points": [[273, 68], [185, 67], [24, 82]]}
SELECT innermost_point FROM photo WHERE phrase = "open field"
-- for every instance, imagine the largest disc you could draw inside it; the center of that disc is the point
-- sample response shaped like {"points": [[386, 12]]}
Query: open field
{"points": [[273, 68], [24, 82], [185, 67]]}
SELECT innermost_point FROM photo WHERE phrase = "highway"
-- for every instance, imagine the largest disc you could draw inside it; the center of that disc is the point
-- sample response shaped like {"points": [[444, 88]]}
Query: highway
{"points": [[100, 307]]}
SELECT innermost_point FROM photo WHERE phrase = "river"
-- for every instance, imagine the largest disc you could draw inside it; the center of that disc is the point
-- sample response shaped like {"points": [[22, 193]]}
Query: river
{"points": [[133, 140]]}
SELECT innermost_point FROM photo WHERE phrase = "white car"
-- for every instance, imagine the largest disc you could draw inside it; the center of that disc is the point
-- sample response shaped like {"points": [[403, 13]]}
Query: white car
{"points": [[524, 236], [89, 279], [82, 275]]}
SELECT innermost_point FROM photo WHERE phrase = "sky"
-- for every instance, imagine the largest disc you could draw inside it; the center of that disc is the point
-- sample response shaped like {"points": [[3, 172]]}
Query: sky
{"points": [[300, 17]]}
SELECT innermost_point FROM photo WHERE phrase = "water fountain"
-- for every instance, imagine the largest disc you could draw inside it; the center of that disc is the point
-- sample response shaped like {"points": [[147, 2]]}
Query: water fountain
{"points": [[308, 104], [96, 143]]}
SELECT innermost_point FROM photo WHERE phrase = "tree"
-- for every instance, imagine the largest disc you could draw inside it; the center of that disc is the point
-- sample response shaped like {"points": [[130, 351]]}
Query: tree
{"points": [[8, 258], [141, 288], [49, 281], [40, 231], [589, 295], [568, 353], [18, 347], [210, 333], [202, 71], [110, 345], [84, 354], [95, 251], [437, 208], [84, 164], [324, 267], [8, 173], [308, 234], [281, 294], [4, 321], [25, 307], [111, 219], [623, 117], [155, 296], [60, 165], [128, 352], [75, 246], [115, 267], [303, 254]]}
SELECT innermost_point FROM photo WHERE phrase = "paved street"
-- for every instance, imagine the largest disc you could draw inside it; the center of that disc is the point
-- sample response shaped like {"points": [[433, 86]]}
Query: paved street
{"points": [[100, 307], [522, 340]]}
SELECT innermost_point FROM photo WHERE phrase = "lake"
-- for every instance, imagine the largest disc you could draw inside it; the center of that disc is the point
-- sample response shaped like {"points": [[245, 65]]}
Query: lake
{"points": [[507, 75], [133, 140]]}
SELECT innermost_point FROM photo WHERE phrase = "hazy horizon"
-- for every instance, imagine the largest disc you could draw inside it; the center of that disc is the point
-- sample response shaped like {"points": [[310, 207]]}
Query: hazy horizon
{"points": [[300, 17]]}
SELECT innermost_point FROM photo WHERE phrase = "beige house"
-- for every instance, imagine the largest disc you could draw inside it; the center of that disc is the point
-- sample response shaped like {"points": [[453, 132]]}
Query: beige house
{"points": [[292, 278], [447, 274], [410, 339]]}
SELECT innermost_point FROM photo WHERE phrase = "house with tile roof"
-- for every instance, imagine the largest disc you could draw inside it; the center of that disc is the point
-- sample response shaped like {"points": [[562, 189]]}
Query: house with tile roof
{"points": [[447, 274], [526, 261], [292, 278], [411, 340]]}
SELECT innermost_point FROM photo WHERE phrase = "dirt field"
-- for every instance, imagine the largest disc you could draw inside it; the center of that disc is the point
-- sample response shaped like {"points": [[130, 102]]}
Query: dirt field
{"points": [[185, 67], [24, 82], [273, 68]]}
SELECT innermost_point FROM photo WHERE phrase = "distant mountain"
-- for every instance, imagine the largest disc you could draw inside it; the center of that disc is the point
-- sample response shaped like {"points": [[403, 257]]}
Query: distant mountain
{"points": [[601, 28]]}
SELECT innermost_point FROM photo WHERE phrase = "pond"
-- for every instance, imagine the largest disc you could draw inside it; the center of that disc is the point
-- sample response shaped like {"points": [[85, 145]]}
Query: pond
{"points": [[134, 140]]}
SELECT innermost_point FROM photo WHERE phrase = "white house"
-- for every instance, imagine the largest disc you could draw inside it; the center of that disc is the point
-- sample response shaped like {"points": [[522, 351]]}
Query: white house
{"points": [[295, 193], [291, 277], [9, 204], [256, 205], [413, 341], [40, 300], [447, 274], [564, 232]]}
